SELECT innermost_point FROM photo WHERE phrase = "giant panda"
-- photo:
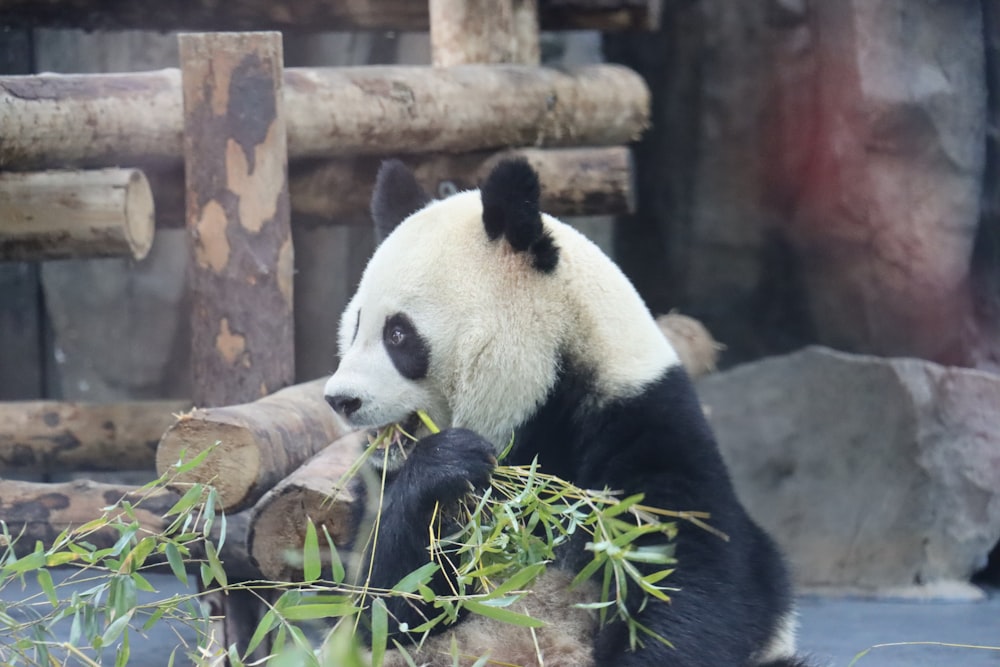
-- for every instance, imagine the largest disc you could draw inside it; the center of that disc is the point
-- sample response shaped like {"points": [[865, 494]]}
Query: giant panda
{"points": [[500, 321]]}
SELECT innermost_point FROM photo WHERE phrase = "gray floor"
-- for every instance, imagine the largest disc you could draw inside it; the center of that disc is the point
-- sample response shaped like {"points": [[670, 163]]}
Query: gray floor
{"points": [[833, 631]]}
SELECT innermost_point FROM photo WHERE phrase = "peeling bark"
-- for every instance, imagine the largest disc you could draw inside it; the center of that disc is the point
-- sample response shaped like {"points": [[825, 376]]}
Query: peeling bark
{"points": [[237, 216]]}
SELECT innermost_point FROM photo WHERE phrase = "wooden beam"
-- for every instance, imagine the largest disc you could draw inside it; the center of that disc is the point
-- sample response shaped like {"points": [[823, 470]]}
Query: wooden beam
{"points": [[63, 214], [465, 32], [43, 436], [575, 181], [36, 512], [238, 217], [319, 15], [278, 521], [259, 443], [96, 120]]}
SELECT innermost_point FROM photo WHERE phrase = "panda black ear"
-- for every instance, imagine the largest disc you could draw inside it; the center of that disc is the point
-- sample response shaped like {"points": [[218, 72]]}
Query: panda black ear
{"points": [[396, 196], [510, 209]]}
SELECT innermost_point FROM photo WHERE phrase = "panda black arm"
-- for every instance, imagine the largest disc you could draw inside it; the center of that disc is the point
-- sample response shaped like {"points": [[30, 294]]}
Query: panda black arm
{"points": [[441, 469]]}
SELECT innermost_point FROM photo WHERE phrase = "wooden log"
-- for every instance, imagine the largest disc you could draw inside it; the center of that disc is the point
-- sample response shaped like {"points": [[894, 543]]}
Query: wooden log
{"points": [[61, 214], [259, 443], [278, 521], [43, 436], [317, 15], [37, 512], [465, 32], [575, 181], [238, 217], [94, 120]]}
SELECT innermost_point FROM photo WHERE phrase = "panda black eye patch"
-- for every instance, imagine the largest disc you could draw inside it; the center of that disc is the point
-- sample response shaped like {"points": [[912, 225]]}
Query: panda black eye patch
{"points": [[408, 351]]}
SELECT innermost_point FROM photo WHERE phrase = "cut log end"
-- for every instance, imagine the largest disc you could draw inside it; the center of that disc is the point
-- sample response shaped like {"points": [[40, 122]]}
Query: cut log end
{"points": [[139, 214], [69, 214], [233, 466], [278, 521]]}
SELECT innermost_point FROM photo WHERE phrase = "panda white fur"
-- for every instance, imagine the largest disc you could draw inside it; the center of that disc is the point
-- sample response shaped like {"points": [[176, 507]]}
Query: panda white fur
{"points": [[497, 319]]}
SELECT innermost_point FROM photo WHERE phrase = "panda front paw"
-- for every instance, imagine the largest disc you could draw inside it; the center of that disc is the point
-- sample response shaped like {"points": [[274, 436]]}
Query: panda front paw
{"points": [[447, 466]]}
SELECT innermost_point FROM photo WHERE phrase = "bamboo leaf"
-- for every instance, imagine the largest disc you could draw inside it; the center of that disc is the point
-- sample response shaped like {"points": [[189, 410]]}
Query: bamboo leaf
{"points": [[176, 563], [45, 583], [380, 630], [504, 615], [311, 564], [115, 628], [411, 582]]}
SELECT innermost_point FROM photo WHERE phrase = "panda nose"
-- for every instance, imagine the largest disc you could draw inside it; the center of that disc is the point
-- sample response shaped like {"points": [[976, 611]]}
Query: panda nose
{"points": [[344, 405]]}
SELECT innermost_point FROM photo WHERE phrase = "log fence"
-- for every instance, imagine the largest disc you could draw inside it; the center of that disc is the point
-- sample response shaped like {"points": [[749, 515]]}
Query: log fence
{"points": [[89, 162]]}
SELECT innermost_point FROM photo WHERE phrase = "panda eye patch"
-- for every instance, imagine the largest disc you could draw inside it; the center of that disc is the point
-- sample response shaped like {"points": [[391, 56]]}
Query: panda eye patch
{"points": [[408, 351]]}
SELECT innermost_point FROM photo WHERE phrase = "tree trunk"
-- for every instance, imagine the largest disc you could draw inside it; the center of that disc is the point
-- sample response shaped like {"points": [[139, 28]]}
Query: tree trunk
{"points": [[278, 521], [237, 216], [259, 443], [61, 214], [51, 435], [94, 120]]}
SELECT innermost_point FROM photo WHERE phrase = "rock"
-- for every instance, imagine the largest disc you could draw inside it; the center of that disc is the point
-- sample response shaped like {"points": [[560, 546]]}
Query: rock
{"points": [[876, 120], [880, 475]]}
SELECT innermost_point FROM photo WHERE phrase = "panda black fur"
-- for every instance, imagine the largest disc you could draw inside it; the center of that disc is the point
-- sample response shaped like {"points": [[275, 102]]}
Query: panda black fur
{"points": [[498, 320]]}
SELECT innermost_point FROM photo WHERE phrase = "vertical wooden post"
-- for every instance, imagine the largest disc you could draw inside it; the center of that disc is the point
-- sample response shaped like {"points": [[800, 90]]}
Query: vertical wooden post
{"points": [[484, 31], [236, 177], [236, 174]]}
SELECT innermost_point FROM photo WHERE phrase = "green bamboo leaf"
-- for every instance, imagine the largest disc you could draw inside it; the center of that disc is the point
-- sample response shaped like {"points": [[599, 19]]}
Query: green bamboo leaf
{"points": [[265, 626], [307, 611], [312, 567], [215, 565], [413, 580], [175, 562], [187, 501], [501, 614], [336, 565], [115, 628], [154, 617], [187, 466], [141, 583], [380, 630], [123, 652], [45, 583], [518, 581], [32, 561]]}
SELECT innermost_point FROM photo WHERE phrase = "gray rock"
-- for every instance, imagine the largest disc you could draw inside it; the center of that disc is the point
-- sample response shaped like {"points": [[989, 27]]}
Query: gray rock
{"points": [[881, 475]]}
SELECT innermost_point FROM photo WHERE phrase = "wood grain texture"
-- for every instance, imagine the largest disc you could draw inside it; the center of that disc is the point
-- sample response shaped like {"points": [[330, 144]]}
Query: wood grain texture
{"points": [[110, 119], [66, 214], [44, 436], [237, 216], [314, 491], [259, 443]]}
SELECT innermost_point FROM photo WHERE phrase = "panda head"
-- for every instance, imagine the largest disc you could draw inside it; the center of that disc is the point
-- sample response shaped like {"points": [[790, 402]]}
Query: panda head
{"points": [[473, 305]]}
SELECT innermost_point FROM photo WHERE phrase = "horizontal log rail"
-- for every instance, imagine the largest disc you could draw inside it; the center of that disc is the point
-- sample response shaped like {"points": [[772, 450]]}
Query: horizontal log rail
{"points": [[55, 120], [65, 214], [38, 512], [45, 436], [607, 15]]}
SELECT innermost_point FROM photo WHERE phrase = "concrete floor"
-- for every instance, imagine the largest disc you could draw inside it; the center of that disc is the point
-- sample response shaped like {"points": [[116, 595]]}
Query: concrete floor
{"points": [[834, 631]]}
